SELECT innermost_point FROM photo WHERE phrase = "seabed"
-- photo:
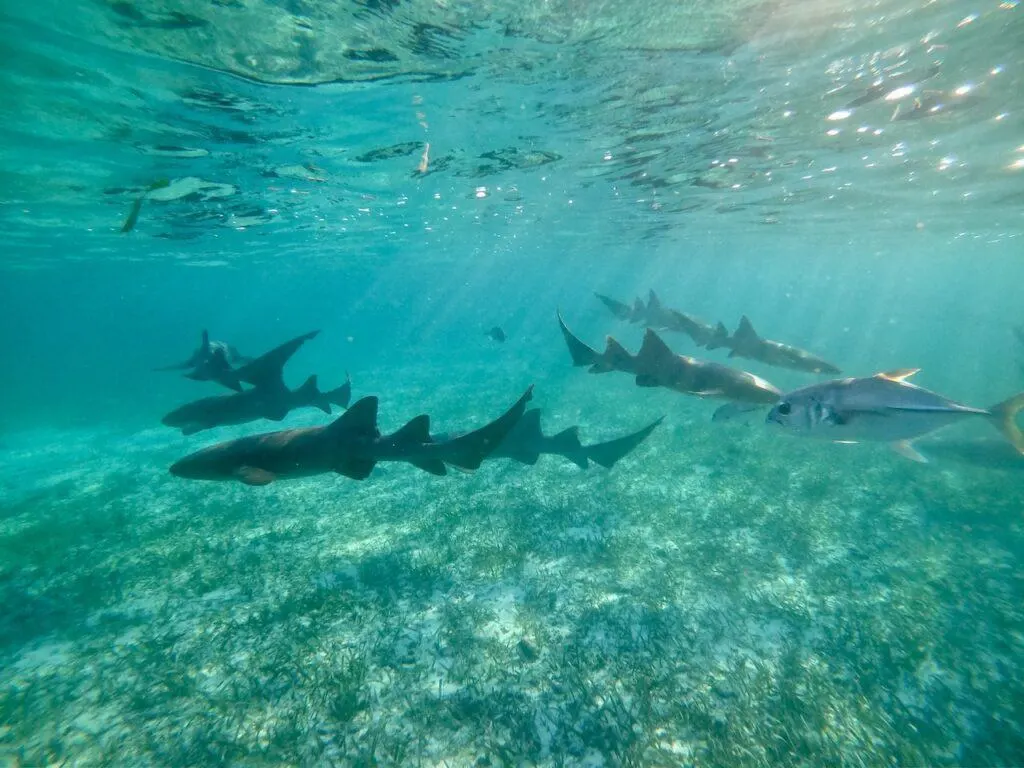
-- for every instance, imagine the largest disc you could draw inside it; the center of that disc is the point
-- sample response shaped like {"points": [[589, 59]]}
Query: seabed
{"points": [[724, 596]]}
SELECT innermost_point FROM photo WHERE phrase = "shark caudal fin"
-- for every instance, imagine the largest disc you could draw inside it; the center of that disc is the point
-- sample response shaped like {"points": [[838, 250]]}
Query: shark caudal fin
{"points": [[607, 453], [350, 432], [719, 337], [1004, 416], [309, 394], [617, 308], [469, 450], [581, 354], [266, 370], [341, 396]]}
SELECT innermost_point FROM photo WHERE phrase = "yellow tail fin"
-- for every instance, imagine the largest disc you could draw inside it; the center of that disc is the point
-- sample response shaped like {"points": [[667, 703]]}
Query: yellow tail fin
{"points": [[1005, 416]]}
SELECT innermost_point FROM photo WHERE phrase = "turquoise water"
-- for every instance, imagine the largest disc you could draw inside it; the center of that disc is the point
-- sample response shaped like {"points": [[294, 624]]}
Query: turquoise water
{"points": [[849, 178]]}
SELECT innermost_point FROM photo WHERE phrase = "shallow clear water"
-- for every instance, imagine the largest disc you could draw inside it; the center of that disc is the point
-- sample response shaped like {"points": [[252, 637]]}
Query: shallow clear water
{"points": [[403, 176]]}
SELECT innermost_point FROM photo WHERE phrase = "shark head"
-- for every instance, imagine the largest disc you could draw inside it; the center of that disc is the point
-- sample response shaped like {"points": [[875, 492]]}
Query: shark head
{"points": [[211, 463]]}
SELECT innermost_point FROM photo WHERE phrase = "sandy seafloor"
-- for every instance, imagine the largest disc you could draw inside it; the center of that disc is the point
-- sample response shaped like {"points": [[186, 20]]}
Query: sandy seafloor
{"points": [[723, 596]]}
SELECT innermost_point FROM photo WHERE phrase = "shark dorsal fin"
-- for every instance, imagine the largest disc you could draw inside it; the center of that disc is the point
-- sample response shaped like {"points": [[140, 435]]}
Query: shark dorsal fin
{"points": [[899, 375], [746, 329], [653, 351], [359, 421], [615, 353], [567, 440], [653, 302], [416, 431], [205, 345]]}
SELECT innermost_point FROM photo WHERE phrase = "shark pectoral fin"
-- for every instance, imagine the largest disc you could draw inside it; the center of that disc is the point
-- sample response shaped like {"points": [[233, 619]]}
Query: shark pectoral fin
{"points": [[255, 476], [905, 449], [646, 380], [900, 374], [733, 353], [709, 392], [433, 466], [275, 413], [355, 468]]}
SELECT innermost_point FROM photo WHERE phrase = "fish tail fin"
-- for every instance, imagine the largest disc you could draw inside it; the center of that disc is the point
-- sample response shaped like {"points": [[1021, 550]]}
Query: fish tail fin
{"points": [[341, 396], [609, 452], [266, 369], [469, 450], [1004, 415], [581, 354], [617, 308]]}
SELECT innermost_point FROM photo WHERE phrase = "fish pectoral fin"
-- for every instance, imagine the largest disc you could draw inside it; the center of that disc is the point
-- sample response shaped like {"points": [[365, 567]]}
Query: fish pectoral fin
{"points": [[255, 476], [709, 392], [898, 375], [905, 449], [845, 442], [357, 469]]}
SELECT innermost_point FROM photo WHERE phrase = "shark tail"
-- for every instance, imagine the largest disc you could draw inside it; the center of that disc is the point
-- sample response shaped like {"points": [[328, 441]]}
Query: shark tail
{"points": [[469, 450], [608, 453], [581, 354], [266, 370], [617, 308], [1004, 416], [341, 396]]}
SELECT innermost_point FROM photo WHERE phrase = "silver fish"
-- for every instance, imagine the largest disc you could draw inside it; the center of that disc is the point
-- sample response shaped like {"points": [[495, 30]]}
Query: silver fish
{"points": [[884, 407]]}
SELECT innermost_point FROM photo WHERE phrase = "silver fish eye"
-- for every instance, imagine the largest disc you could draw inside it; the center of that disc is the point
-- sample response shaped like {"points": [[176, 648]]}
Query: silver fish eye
{"points": [[784, 408]]}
